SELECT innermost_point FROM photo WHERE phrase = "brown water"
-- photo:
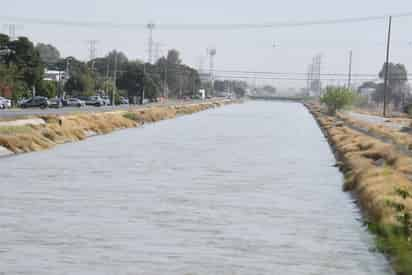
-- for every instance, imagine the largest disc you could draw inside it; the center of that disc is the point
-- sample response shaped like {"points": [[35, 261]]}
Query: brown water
{"points": [[244, 189]]}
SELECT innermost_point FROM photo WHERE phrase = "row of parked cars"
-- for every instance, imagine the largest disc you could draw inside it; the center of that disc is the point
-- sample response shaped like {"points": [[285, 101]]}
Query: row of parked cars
{"points": [[44, 102]]}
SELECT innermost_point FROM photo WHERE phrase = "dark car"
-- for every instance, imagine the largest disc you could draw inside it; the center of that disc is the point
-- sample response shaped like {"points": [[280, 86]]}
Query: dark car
{"points": [[37, 101]]}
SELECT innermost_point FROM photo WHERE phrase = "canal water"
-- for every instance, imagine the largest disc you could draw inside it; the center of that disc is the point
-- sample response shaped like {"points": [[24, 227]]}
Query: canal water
{"points": [[244, 189]]}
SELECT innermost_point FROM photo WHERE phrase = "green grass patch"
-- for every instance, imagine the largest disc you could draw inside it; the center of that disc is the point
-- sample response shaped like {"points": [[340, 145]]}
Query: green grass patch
{"points": [[10, 130], [391, 241], [132, 116]]}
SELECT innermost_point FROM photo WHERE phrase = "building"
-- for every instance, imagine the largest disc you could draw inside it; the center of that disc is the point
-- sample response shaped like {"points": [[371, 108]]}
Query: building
{"points": [[53, 75]]}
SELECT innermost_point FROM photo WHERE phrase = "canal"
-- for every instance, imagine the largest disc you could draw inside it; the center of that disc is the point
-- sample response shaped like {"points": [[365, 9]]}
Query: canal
{"points": [[244, 189]]}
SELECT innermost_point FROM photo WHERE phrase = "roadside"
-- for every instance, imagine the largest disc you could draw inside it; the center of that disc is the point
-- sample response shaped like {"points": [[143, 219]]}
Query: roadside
{"points": [[7, 114]]}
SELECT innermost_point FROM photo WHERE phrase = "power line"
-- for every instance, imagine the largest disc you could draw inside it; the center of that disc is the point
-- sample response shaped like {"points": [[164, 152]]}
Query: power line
{"points": [[269, 25]]}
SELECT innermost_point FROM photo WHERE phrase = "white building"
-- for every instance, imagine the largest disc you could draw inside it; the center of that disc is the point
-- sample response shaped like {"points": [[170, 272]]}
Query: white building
{"points": [[53, 75]]}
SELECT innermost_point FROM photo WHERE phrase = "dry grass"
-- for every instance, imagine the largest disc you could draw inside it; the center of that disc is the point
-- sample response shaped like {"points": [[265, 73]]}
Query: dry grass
{"points": [[8, 130], [75, 127], [394, 135], [374, 170]]}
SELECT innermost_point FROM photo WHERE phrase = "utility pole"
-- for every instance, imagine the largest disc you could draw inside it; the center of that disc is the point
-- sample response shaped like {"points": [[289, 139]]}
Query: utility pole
{"points": [[385, 85], [150, 27], [144, 86], [350, 70], [106, 86], [165, 93], [114, 79]]}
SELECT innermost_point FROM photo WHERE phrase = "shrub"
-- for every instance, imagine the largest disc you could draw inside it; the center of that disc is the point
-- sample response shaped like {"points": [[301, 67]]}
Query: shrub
{"points": [[337, 98]]}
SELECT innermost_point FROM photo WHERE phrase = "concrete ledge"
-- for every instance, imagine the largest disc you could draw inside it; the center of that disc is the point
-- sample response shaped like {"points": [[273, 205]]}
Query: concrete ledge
{"points": [[23, 122], [5, 152]]}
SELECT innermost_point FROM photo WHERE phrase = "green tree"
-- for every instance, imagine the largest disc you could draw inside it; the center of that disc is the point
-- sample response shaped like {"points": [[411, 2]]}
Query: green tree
{"points": [[11, 83], [47, 88], [81, 80], [133, 80], [337, 98], [105, 65], [397, 79], [27, 59], [48, 53], [180, 78]]}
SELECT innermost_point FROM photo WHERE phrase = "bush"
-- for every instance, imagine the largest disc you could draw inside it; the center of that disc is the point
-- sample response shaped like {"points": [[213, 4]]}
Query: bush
{"points": [[337, 98], [132, 116]]}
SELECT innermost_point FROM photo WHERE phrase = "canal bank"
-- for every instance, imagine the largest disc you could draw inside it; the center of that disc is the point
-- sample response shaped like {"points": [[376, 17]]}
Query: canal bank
{"points": [[44, 132], [245, 189], [379, 175]]}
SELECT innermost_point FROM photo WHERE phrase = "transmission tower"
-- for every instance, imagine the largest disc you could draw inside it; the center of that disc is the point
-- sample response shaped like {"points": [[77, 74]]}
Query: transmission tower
{"points": [[11, 29], [211, 52], [314, 83], [92, 51], [150, 27]]}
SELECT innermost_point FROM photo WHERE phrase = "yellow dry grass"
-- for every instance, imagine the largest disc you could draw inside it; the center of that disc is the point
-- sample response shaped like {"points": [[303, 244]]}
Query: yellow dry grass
{"points": [[374, 170], [76, 127]]}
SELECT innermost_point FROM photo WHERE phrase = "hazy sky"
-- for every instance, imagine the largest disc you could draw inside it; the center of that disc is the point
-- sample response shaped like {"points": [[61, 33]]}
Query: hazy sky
{"points": [[248, 50]]}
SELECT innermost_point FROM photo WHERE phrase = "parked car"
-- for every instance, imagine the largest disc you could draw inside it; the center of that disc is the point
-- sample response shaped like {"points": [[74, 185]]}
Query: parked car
{"points": [[74, 102], [55, 103], [37, 101], [93, 100], [106, 100], [124, 100], [5, 103]]}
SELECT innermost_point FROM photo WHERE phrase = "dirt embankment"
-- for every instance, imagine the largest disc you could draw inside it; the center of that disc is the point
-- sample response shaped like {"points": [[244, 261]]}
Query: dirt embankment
{"points": [[70, 128], [380, 177]]}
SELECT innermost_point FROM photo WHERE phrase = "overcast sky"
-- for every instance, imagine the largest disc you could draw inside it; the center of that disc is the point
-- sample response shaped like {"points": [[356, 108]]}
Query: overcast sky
{"points": [[246, 50]]}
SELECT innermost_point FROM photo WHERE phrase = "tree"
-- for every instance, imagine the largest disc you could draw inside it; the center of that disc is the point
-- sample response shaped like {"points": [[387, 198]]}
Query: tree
{"points": [[4, 40], [81, 80], [80, 84], [11, 84], [105, 65], [133, 80], [337, 98], [27, 59], [173, 57], [269, 89], [239, 88], [47, 88], [180, 78], [397, 79], [48, 53]]}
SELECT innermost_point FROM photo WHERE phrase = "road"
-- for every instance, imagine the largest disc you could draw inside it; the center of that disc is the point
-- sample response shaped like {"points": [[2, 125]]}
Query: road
{"points": [[17, 113], [378, 120]]}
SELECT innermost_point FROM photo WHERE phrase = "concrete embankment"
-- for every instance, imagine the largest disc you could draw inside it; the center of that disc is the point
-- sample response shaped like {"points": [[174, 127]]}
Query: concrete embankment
{"points": [[44, 132], [379, 175]]}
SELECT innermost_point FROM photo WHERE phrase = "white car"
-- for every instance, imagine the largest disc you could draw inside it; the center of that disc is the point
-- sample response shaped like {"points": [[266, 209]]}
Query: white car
{"points": [[5, 103]]}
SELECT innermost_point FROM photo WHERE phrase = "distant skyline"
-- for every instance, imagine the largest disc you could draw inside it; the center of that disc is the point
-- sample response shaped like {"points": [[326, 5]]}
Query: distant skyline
{"points": [[237, 50]]}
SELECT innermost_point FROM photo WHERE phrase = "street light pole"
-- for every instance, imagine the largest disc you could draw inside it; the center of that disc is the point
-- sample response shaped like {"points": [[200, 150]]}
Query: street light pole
{"points": [[385, 87], [350, 69], [144, 85]]}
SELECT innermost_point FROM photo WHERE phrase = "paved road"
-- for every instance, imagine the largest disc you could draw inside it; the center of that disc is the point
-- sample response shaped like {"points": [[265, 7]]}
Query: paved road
{"points": [[378, 120], [16, 113]]}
